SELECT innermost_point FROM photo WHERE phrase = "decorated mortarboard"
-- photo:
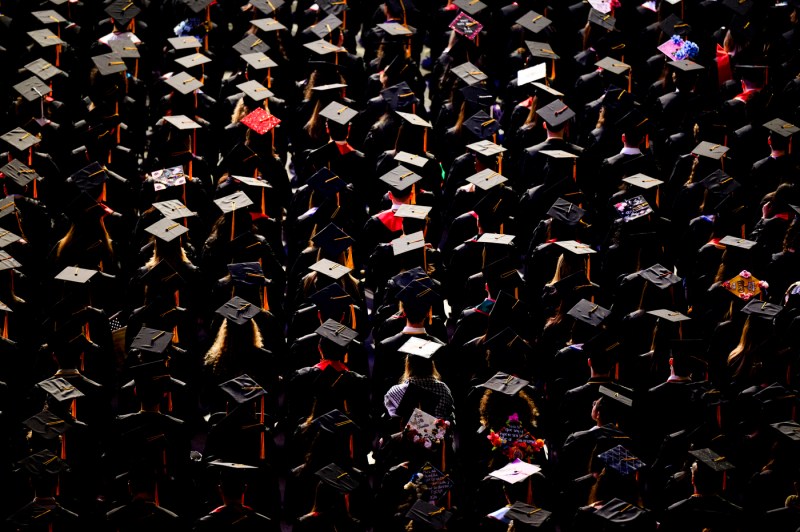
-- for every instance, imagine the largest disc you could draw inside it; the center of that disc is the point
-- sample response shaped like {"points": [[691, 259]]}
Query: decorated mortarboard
{"points": [[762, 309], [788, 429], [710, 150], [123, 11], [400, 178], [247, 274], [268, 24], [589, 313], [193, 60], [323, 47], [184, 83], [531, 74], [436, 482], [526, 514], [32, 88], [332, 239], [267, 7], [417, 212], [429, 514], [43, 69], [167, 229], [48, 425], [486, 179], [633, 208], [335, 422], [75, 274], [125, 48], [737, 242], [782, 127], [233, 202], [566, 212], [643, 181], [515, 471], [324, 27], [185, 43], [173, 209], [250, 45], [659, 276], [505, 384], [261, 121], [168, 177], [466, 26], [573, 246], [486, 148], [619, 397], [556, 113], [471, 7], [669, 315], [399, 96], [408, 243], [337, 333], [710, 459], [6, 239], [604, 20], [42, 463], [621, 460], [243, 389], [339, 113], [258, 61], [151, 340], [19, 172], [7, 261], [533, 21], [469, 73], [20, 139], [420, 347], [482, 125], [621, 513], [603, 6], [496, 238], [60, 389], [541, 49], [45, 38], [255, 90], [337, 478], [238, 310], [330, 269]]}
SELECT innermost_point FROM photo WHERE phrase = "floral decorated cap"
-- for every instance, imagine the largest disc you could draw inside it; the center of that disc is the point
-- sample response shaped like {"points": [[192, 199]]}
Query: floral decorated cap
{"points": [[424, 429], [745, 286]]}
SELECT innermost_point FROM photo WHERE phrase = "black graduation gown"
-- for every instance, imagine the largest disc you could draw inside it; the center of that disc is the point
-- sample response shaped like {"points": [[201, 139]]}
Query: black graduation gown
{"points": [[701, 513], [235, 518]]}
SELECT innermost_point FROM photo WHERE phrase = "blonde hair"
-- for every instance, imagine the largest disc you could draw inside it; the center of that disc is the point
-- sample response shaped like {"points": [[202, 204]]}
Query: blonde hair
{"points": [[218, 352]]}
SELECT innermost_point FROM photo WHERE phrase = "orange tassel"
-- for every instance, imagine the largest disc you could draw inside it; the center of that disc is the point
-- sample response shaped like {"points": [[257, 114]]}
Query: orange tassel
{"points": [[74, 408], [500, 164], [262, 453], [5, 326], [63, 447], [175, 338], [719, 415], [575, 170], [35, 191], [177, 298], [264, 300], [630, 79], [30, 156], [353, 324], [425, 141], [169, 401], [233, 224]]}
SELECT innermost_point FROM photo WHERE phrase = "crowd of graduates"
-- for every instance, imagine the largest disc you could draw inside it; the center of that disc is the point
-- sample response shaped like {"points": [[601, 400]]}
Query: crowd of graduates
{"points": [[401, 266]]}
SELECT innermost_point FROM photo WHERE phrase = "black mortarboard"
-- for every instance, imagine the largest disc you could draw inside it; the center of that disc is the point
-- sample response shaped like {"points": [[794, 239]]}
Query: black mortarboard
{"points": [[478, 95], [258, 61], [20, 139], [126, 48], [111, 63], [710, 150], [719, 182], [243, 389], [339, 113], [472, 7], [788, 429], [399, 96], [469, 73], [324, 27], [589, 313], [417, 212], [32, 88], [48, 425], [167, 229], [151, 340], [740, 7], [267, 6], [335, 422], [525, 514], [613, 65], [19, 173], [233, 202], [238, 310], [164, 277], [196, 5], [505, 384], [400, 178], [193, 60], [332, 299], [332, 239], [620, 397], [184, 83], [330, 269], [42, 463], [333, 7], [419, 293], [762, 309], [75, 274], [255, 90], [541, 49], [247, 274], [268, 24], [465, 25], [668, 315], [60, 389], [45, 38], [429, 514], [153, 376], [123, 11], [621, 513], [90, 177], [673, 25], [502, 271], [326, 182], [507, 342], [660, 276], [7, 206], [482, 125], [7, 261], [43, 69], [566, 212], [322, 47], [782, 127], [250, 45], [184, 43], [420, 347], [337, 333], [173, 209], [337, 478], [621, 460], [486, 179], [533, 21], [555, 113], [605, 21], [712, 460]]}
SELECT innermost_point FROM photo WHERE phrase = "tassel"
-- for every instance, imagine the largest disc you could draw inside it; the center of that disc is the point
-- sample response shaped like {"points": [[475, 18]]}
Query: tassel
{"points": [[348, 258], [657, 197], [74, 408], [425, 259], [425, 141], [553, 70], [724, 480], [83, 362], [719, 415], [516, 292], [5, 326], [263, 203], [353, 324], [30, 156], [233, 224], [63, 447], [262, 453], [742, 231], [169, 401], [269, 78], [444, 464], [35, 192], [630, 79], [177, 298], [588, 268], [575, 169], [616, 371], [175, 338], [155, 495]]}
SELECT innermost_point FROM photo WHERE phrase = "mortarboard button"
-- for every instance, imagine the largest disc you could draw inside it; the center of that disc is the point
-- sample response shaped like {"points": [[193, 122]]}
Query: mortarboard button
{"points": [[322, 47], [152, 340], [238, 310], [577, 248], [612, 65], [660, 276], [60, 389], [243, 389], [556, 113], [173, 209], [420, 347], [337, 333], [233, 202], [686, 65], [533, 21], [604, 20], [633, 208], [250, 45], [417, 212], [267, 6], [332, 300], [324, 27], [642, 181], [110, 63], [526, 514], [45, 38], [713, 461], [184, 43], [482, 125], [18, 172], [669, 315], [469, 73], [123, 11], [710, 150], [184, 83], [541, 49], [75, 274], [429, 514], [193, 60], [32, 89], [515, 471], [42, 463], [255, 90], [20, 139], [43, 69], [465, 25], [261, 121], [268, 24], [125, 48], [330, 269], [621, 460], [762, 309], [589, 313], [167, 230], [333, 240], [620, 398], [408, 243], [736, 242], [258, 61], [531, 74], [247, 274], [782, 127], [400, 178], [48, 425], [337, 478], [505, 384], [471, 7], [409, 158], [339, 113], [566, 212], [486, 179], [486, 148], [335, 422]]}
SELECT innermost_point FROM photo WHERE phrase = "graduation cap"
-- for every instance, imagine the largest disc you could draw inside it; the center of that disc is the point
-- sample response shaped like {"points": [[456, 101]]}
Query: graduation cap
{"points": [[736, 242], [258, 61], [255, 90], [167, 229], [20, 139], [645, 182], [243, 389], [337, 333], [686, 65], [233, 202], [619, 397], [330, 269], [268, 24], [32, 88], [621, 513], [542, 50], [566, 212], [505, 384], [339, 113], [400, 178], [60, 389], [659, 276], [469, 73], [399, 96], [126, 48], [193, 60], [261, 121], [465, 25], [173, 209], [197, 5], [533, 21], [42, 463], [673, 25], [322, 47], [575, 247], [782, 127], [710, 150], [151, 340], [668, 315], [75, 274], [531, 74], [612, 65], [332, 239], [762, 309], [507, 341], [604, 20], [740, 7], [153, 376], [603, 6], [238, 310], [337, 478], [788, 429], [496, 238], [247, 274], [633, 208], [123, 11], [621, 460], [471, 7], [482, 125], [477, 95], [329, 86], [326, 182], [184, 43], [184, 83], [335, 422], [417, 212], [19, 172], [408, 243], [110, 63], [267, 6], [48, 425], [325, 26], [7, 261], [419, 293], [515, 471], [525, 514], [589, 313], [168, 177], [544, 89], [429, 514], [486, 148], [332, 299], [45, 38], [710, 459], [719, 182], [49, 16], [420, 347], [414, 120], [486, 179], [333, 7], [90, 177], [6, 239], [43, 69], [555, 113], [163, 276]]}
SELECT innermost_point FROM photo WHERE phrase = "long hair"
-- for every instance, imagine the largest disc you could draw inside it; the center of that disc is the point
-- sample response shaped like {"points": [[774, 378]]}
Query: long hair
{"points": [[495, 407], [219, 354], [419, 367]]}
